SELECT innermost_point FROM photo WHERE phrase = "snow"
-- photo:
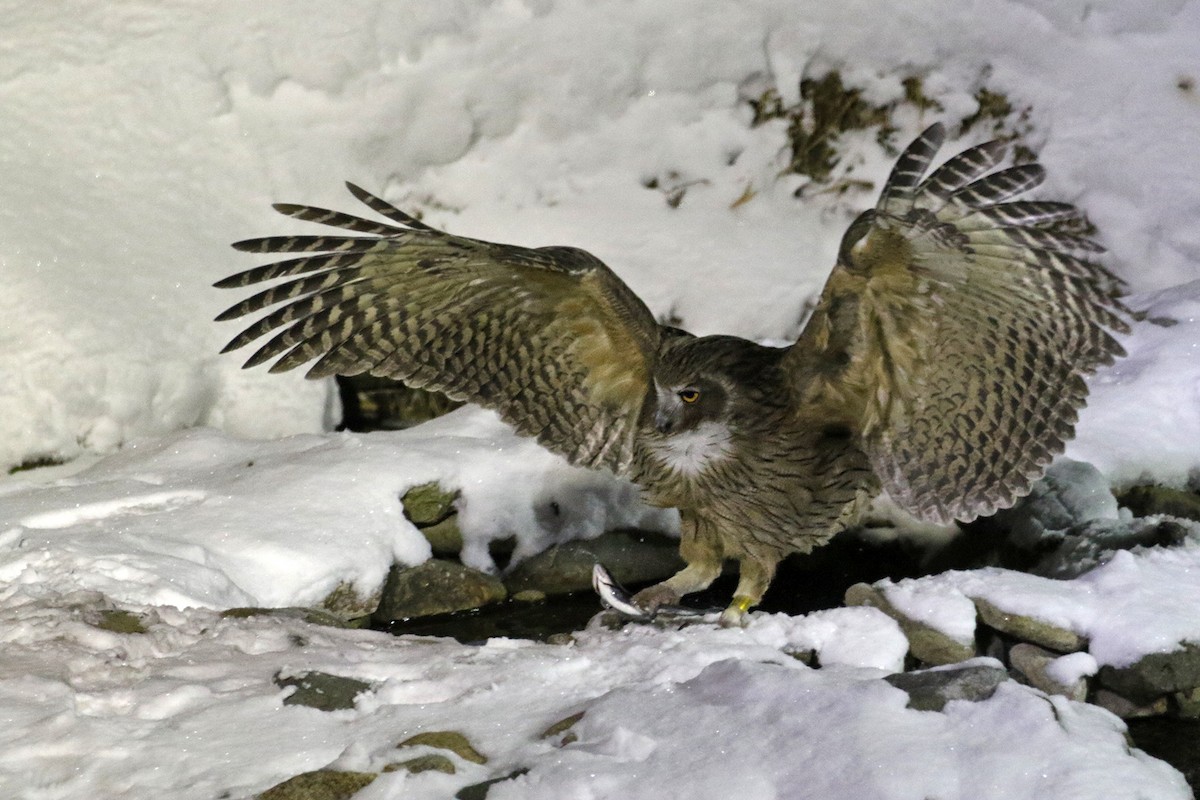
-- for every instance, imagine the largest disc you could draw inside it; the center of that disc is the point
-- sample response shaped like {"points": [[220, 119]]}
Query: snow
{"points": [[140, 138], [189, 710], [1118, 606], [198, 518]]}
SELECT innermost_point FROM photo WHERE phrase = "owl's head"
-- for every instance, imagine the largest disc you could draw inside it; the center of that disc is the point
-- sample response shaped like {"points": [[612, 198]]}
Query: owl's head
{"points": [[684, 402], [712, 379]]}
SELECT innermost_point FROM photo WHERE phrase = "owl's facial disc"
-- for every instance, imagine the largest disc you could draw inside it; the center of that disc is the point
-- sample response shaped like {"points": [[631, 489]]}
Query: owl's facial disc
{"points": [[683, 407]]}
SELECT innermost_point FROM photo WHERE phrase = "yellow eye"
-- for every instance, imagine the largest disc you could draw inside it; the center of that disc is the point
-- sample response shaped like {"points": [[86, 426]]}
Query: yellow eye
{"points": [[689, 395]]}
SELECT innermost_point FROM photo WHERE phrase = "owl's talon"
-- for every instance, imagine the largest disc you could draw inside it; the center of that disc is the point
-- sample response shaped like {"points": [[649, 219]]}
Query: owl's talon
{"points": [[653, 598]]}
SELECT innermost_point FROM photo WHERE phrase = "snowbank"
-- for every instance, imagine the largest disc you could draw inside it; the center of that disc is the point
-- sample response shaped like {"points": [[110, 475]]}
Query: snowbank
{"points": [[138, 141]]}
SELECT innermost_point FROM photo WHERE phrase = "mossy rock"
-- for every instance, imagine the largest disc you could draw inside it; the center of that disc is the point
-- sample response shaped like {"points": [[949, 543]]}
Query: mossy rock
{"points": [[1149, 500], [924, 642], [562, 726], [118, 621], [427, 763], [428, 504], [453, 741], [346, 602], [436, 587], [1029, 629], [1155, 675], [445, 538], [321, 784]]}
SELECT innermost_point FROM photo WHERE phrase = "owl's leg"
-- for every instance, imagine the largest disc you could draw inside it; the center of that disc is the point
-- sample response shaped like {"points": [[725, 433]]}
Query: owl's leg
{"points": [[701, 551], [754, 577]]}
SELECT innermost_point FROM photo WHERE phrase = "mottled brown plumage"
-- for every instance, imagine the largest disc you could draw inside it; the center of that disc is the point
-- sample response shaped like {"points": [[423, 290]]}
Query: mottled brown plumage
{"points": [[945, 362]]}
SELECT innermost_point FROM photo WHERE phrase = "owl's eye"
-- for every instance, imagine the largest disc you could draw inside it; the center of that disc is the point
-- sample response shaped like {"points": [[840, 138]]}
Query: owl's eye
{"points": [[689, 395]]}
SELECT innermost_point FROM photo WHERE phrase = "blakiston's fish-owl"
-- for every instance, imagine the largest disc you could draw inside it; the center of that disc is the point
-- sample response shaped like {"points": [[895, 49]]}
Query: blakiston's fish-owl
{"points": [[944, 363]]}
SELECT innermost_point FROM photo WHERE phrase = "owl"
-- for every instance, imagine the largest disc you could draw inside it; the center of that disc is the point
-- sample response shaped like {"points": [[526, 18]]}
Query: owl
{"points": [[944, 363]]}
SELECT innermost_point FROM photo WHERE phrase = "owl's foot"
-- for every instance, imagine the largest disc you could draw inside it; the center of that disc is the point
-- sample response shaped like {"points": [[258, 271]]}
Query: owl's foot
{"points": [[735, 615], [652, 598], [645, 605]]}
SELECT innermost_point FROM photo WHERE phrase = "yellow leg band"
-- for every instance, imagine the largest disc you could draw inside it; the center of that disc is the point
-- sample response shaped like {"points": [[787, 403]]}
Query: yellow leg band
{"points": [[741, 603]]}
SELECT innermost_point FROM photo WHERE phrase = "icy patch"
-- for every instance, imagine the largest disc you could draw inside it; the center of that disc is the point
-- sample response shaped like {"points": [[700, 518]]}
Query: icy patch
{"points": [[156, 502]]}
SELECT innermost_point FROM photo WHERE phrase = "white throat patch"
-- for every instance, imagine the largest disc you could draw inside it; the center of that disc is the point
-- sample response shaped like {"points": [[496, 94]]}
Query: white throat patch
{"points": [[692, 451]]}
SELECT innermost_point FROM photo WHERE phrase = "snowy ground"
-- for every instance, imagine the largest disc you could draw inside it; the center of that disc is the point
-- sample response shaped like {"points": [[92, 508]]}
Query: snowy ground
{"points": [[139, 139]]}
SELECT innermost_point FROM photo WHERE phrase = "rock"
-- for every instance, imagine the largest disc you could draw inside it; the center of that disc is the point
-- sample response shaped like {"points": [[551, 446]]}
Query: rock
{"points": [[313, 616], [371, 403], [453, 741], [322, 691], [563, 726], [931, 689], [428, 504], [445, 538], [1070, 493], [1125, 708], [1029, 629], [322, 784], [529, 596], [436, 587], [1034, 664], [118, 621], [924, 643], [631, 557], [1083, 547], [478, 791], [427, 763], [1155, 675], [1187, 704], [1146, 501], [346, 602]]}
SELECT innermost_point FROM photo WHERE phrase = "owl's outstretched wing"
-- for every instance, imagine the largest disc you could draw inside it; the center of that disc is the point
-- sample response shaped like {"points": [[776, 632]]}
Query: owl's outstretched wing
{"points": [[956, 330], [549, 337]]}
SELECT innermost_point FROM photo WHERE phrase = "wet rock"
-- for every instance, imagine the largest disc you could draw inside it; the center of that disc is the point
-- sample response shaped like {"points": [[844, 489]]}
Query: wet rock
{"points": [[436, 587], [322, 784], [924, 643], [1029, 629], [931, 689], [1034, 664], [453, 741], [427, 763], [1155, 675], [313, 616], [631, 558], [1125, 708], [322, 691]]}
